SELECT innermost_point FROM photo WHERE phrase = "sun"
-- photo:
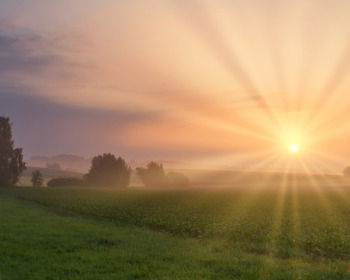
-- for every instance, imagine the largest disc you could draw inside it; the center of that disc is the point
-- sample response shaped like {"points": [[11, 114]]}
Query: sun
{"points": [[293, 148]]}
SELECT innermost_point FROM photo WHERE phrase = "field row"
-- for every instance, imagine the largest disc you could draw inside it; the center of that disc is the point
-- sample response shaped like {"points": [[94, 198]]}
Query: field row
{"points": [[287, 222]]}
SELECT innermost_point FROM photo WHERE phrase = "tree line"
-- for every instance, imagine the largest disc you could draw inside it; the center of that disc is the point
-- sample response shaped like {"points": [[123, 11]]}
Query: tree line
{"points": [[106, 169], [110, 171]]}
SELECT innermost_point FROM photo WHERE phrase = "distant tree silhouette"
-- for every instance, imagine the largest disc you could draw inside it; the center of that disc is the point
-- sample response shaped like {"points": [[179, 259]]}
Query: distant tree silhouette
{"points": [[177, 180], [37, 179], [347, 172], [66, 182], [108, 171], [53, 166], [11, 159], [154, 176]]}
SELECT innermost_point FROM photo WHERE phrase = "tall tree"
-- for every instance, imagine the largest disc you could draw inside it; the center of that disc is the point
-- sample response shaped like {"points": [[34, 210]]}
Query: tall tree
{"points": [[11, 159], [108, 171], [37, 179]]}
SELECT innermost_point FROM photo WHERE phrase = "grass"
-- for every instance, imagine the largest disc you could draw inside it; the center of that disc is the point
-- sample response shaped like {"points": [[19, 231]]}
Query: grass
{"points": [[288, 222], [109, 234]]}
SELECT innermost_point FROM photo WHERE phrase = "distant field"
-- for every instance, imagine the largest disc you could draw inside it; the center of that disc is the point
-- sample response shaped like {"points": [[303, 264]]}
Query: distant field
{"points": [[308, 223], [205, 178], [38, 242]]}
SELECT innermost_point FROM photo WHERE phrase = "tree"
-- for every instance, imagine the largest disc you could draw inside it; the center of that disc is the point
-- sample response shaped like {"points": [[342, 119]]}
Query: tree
{"points": [[108, 171], [153, 175], [177, 180], [11, 159], [37, 179], [346, 172]]}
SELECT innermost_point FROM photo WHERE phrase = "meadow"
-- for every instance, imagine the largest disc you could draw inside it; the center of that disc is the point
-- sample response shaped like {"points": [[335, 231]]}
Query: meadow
{"points": [[37, 243], [309, 223]]}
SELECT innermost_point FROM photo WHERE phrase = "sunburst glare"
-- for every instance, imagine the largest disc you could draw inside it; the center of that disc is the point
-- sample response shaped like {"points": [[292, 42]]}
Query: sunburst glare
{"points": [[294, 148]]}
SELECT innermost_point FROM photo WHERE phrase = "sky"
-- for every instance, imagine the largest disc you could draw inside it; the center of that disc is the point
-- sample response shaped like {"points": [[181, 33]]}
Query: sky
{"points": [[221, 83]]}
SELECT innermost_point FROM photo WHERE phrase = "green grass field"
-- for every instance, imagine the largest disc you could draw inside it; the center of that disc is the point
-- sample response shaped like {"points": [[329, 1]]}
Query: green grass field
{"points": [[243, 233]]}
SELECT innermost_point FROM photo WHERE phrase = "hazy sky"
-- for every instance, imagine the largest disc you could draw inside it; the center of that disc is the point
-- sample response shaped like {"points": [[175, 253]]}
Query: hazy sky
{"points": [[192, 80]]}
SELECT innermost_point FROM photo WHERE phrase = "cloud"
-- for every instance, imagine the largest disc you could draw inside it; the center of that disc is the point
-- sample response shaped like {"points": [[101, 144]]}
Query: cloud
{"points": [[21, 54], [45, 127], [82, 91], [7, 23]]}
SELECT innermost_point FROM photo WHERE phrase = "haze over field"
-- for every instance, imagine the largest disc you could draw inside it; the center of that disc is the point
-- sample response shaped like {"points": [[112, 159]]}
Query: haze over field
{"points": [[174, 139], [213, 83]]}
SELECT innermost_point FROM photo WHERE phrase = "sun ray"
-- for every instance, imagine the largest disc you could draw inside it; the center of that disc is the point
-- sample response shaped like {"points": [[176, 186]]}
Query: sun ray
{"points": [[331, 88], [278, 213], [214, 39], [320, 190], [295, 217]]}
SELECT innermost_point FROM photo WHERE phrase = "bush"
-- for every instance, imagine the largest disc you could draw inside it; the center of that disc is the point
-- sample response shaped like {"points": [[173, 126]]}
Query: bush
{"points": [[66, 182]]}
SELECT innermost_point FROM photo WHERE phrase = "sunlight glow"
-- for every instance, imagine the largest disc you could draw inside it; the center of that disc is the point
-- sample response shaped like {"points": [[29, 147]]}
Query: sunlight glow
{"points": [[214, 105], [293, 148]]}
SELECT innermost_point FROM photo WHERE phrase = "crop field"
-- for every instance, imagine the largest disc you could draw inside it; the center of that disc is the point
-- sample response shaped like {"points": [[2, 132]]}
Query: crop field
{"points": [[308, 223], [38, 243]]}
